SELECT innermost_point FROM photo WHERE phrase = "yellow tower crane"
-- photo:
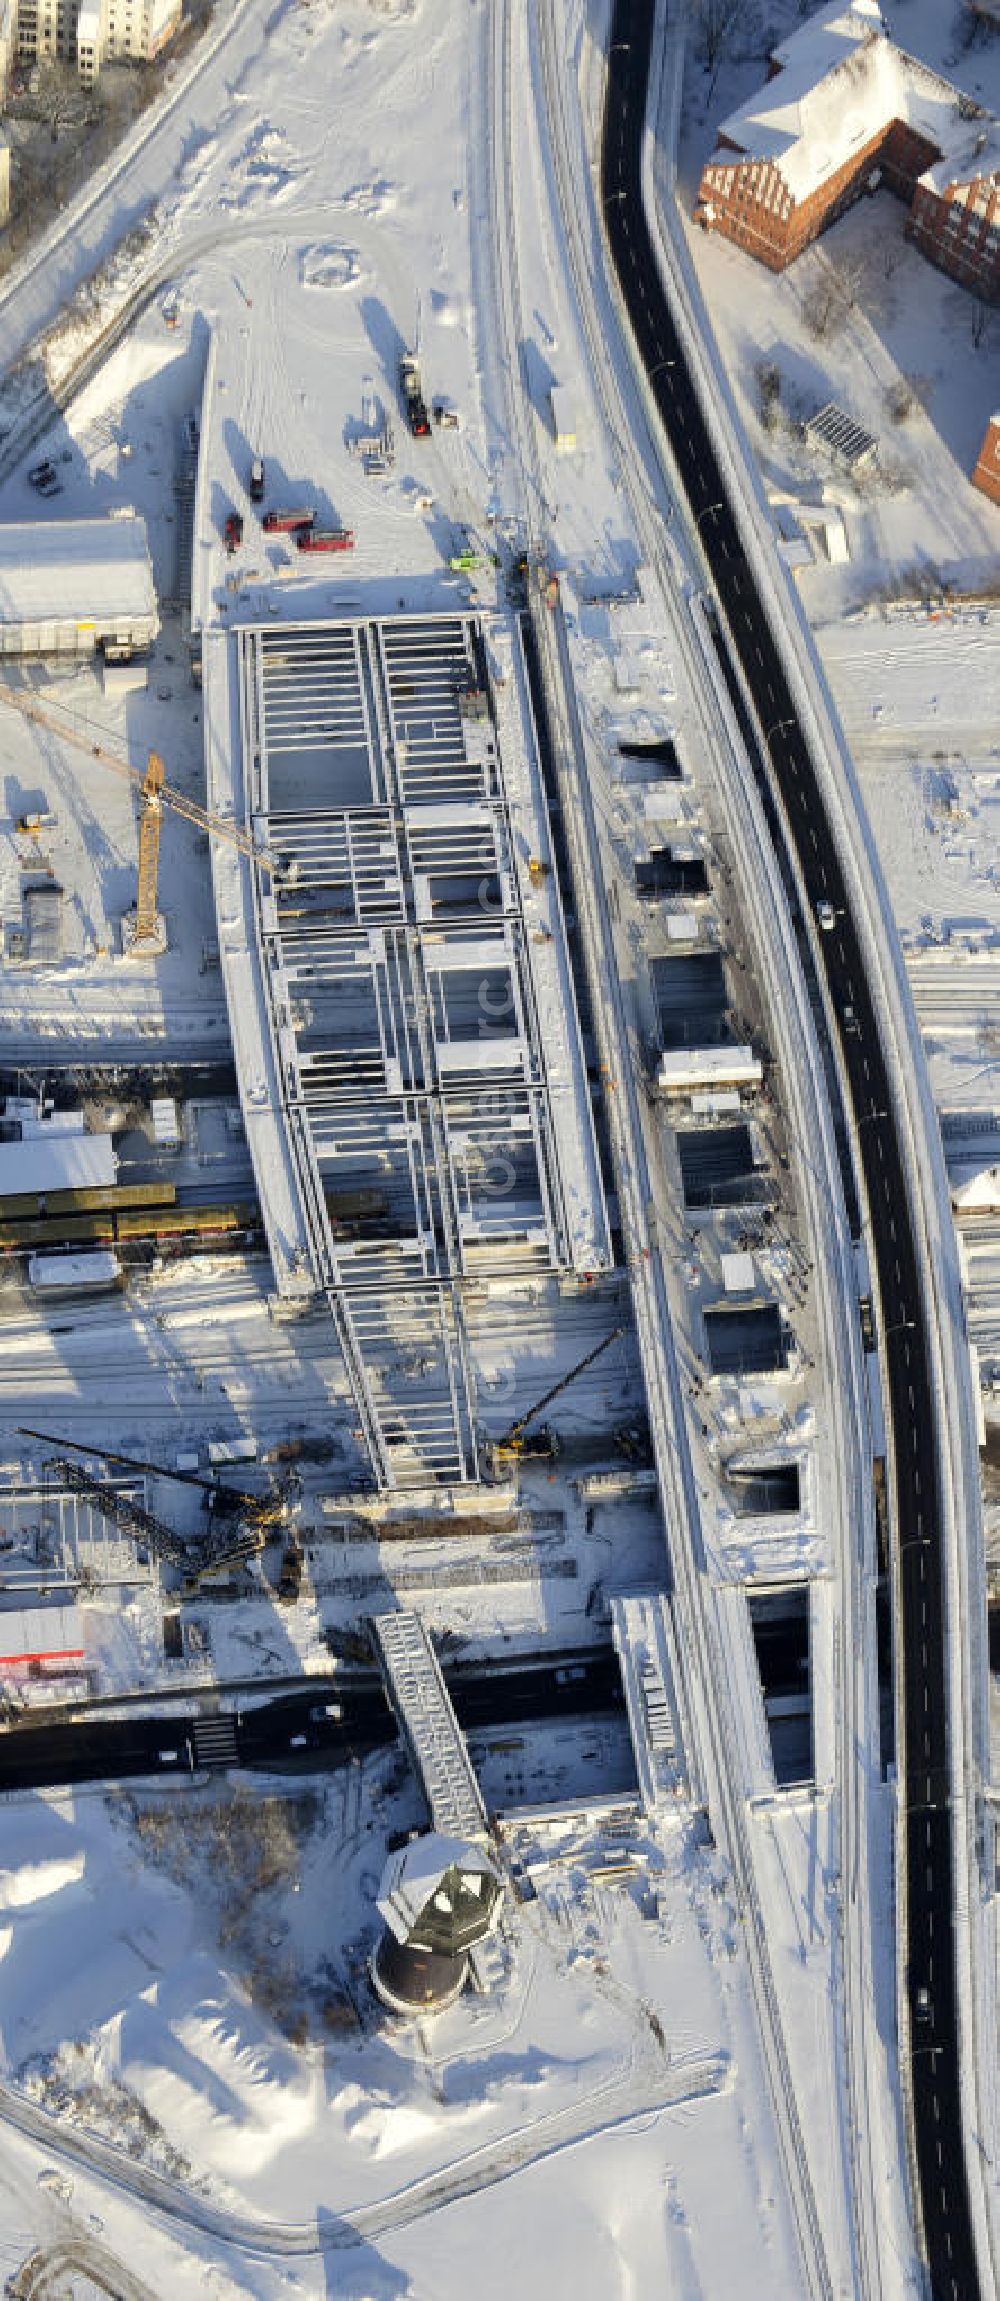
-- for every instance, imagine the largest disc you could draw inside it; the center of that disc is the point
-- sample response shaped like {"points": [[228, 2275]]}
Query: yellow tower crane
{"points": [[148, 925], [155, 793]]}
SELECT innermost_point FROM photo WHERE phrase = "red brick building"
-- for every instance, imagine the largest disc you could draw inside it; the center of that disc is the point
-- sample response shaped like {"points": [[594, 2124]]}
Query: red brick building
{"points": [[987, 472], [845, 112]]}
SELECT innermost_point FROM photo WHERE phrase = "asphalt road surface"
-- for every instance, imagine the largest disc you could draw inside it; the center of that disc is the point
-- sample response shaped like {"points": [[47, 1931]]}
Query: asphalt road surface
{"points": [[332, 1719], [789, 774]]}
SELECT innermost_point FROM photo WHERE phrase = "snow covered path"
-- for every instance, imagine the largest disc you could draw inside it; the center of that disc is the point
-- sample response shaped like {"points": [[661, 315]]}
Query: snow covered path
{"points": [[38, 289], [642, 2095]]}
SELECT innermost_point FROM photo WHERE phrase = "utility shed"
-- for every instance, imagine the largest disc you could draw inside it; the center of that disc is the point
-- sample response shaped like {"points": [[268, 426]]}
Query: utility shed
{"points": [[40, 1635], [563, 418], [68, 586], [72, 1162], [73, 1273], [846, 441]]}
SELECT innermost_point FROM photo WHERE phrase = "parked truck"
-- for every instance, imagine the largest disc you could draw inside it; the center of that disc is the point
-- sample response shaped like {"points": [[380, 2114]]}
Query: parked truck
{"points": [[325, 539], [256, 489], [413, 396], [233, 532], [288, 522]]}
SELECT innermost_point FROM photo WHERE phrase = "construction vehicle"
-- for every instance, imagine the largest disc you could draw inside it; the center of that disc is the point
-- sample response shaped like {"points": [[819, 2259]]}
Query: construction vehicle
{"points": [[518, 1443], [414, 402], [263, 1510], [288, 522], [155, 793], [233, 531], [290, 1571], [256, 485], [325, 539], [237, 1532]]}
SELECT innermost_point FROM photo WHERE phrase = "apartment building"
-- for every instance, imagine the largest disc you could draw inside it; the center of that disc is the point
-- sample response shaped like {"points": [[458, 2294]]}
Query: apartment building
{"points": [[90, 33], [844, 112]]}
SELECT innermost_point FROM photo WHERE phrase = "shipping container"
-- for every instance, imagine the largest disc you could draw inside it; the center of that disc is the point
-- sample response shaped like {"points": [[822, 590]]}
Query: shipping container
{"points": [[285, 522], [326, 539]]}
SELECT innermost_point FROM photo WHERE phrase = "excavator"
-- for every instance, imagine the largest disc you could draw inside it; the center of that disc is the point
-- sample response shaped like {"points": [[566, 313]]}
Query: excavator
{"points": [[239, 1522], [521, 1444]]}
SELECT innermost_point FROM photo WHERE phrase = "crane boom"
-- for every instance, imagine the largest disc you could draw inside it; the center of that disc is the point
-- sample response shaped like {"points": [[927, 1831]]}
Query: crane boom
{"points": [[229, 1501], [511, 1436], [150, 781], [129, 1516], [224, 1547]]}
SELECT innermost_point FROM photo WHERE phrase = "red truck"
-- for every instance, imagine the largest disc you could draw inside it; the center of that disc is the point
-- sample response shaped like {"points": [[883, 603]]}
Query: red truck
{"points": [[326, 539], [233, 531], [286, 522]]}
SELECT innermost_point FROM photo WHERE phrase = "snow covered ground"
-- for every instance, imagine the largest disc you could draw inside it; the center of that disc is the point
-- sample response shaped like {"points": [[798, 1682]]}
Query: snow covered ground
{"points": [[608, 2110], [220, 2023]]}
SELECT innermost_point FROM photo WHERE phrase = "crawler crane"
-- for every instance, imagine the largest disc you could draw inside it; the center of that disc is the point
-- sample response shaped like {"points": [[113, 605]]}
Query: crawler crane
{"points": [[239, 1523], [518, 1443]]}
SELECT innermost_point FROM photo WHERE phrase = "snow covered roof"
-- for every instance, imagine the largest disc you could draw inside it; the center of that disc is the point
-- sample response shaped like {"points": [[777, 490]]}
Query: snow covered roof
{"points": [[841, 81], [418, 1870], [830, 34], [973, 152], [40, 1633], [70, 1162], [88, 570]]}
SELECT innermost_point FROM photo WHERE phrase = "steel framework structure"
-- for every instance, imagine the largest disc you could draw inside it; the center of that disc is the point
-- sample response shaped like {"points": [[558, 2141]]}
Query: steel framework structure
{"points": [[403, 1003]]}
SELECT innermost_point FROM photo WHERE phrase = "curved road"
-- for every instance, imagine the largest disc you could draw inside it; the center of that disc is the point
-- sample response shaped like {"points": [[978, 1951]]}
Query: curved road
{"points": [[787, 774]]}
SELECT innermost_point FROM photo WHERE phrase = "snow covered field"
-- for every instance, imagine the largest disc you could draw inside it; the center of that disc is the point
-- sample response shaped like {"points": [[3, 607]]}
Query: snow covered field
{"points": [[221, 2026]]}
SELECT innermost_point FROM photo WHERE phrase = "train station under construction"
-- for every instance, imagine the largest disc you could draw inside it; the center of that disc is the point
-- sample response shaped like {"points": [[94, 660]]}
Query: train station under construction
{"points": [[418, 1006]]}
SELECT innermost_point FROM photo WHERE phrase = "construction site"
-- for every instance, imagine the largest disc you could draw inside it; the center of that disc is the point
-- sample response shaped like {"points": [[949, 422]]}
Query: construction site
{"points": [[305, 1151]]}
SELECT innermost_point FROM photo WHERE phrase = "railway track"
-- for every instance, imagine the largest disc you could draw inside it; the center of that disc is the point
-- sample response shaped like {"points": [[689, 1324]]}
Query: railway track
{"points": [[632, 1165]]}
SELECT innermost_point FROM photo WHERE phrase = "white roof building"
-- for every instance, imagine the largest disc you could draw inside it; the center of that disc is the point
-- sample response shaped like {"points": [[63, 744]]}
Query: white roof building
{"points": [[71, 1162], [685, 1068], [40, 1634], [74, 1273], [68, 584], [563, 417]]}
